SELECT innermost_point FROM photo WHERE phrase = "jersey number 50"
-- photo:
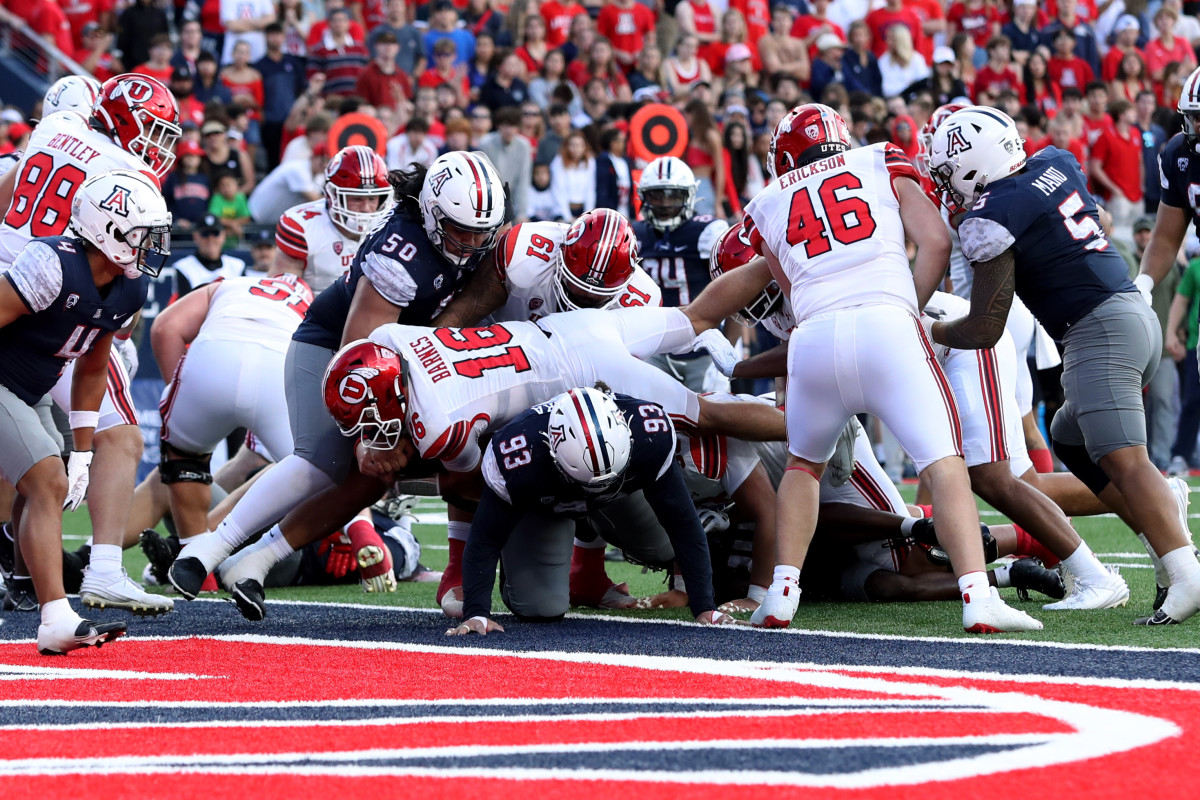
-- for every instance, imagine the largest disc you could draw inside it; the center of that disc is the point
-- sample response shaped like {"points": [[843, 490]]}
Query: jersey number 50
{"points": [[847, 219]]}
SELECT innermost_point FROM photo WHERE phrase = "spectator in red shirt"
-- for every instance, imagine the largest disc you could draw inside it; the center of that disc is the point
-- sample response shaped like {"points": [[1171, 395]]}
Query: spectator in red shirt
{"points": [[1060, 135], [625, 24], [979, 18], [733, 31], [338, 55], [79, 13], [96, 55], [244, 82], [558, 18], [999, 73], [1085, 10], [757, 14], [1117, 170], [49, 21], [600, 63], [181, 86], [891, 14], [1067, 70], [381, 83], [1126, 31], [445, 70], [933, 21], [698, 18], [159, 65], [1096, 121], [317, 32], [532, 51], [1167, 47], [1130, 79], [808, 27], [1040, 91]]}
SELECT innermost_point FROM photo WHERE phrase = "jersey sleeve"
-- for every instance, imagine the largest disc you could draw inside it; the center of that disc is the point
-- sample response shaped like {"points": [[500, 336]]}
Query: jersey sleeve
{"points": [[37, 275], [898, 165], [710, 236], [983, 238], [642, 291], [290, 239], [458, 445], [506, 249], [493, 476], [1173, 184], [391, 278]]}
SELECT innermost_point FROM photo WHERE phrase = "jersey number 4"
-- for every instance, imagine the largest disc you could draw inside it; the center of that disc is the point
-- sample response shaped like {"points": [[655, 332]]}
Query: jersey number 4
{"points": [[847, 218], [471, 339], [42, 195]]}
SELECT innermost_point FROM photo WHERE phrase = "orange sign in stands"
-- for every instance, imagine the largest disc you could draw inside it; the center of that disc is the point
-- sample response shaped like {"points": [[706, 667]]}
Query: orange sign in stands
{"points": [[657, 130], [358, 128]]}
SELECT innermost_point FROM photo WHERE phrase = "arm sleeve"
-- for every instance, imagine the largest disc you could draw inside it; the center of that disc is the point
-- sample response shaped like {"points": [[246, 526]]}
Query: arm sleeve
{"points": [[1172, 188], [669, 498], [390, 278], [983, 239], [289, 238], [709, 237], [493, 523], [37, 276]]}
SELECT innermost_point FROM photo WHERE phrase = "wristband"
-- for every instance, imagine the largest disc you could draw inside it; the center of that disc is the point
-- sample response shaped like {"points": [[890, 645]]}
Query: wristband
{"points": [[1144, 283], [83, 419], [482, 620]]}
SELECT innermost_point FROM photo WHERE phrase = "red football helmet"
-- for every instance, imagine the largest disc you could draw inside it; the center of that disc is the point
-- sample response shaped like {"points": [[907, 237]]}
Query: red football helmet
{"points": [[364, 393], [596, 260], [357, 172], [925, 137], [733, 250], [141, 115], [807, 133]]}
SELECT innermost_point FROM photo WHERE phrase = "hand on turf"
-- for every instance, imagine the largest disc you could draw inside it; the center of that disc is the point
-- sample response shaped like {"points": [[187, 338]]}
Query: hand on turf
{"points": [[672, 598], [481, 625], [716, 618], [724, 357], [78, 472], [341, 554]]}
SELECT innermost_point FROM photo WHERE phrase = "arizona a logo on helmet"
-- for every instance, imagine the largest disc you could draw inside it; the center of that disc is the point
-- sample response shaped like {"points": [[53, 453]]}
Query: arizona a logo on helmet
{"points": [[117, 201], [955, 141]]}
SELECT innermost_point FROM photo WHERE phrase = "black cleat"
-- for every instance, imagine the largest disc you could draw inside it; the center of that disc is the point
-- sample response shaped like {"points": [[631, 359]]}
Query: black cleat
{"points": [[1029, 573], [161, 552], [1160, 618], [248, 596], [187, 575], [614, 554], [20, 596], [60, 639], [1160, 596], [73, 566], [8, 551]]}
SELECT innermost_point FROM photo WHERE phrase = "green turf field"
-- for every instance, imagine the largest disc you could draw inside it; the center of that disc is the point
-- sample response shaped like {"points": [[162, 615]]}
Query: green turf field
{"points": [[1107, 536]]}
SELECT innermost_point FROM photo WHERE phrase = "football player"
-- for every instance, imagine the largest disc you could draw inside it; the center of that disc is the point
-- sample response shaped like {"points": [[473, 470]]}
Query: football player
{"points": [[832, 226], [1023, 214], [318, 241], [445, 220], [570, 456], [539, 268], [63, 299], [133, 125], [675, 246]]}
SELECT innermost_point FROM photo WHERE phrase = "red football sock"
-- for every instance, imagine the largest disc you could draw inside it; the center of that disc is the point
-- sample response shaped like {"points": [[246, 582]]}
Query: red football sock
{"points": [[452, 576], [1028, 546], [926, 510], [1043, 461], [362, 534], [589, 580]]}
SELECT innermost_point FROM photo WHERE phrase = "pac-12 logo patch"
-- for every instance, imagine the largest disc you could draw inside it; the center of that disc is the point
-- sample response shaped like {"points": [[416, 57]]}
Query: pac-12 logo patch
{"points": [[117, 201], [955, 141], [72, 299], [337, 248]]}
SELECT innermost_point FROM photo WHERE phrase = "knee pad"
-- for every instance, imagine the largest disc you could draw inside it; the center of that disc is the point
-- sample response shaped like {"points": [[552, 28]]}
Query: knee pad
{"points": [[176, 466], [1077, 460]]}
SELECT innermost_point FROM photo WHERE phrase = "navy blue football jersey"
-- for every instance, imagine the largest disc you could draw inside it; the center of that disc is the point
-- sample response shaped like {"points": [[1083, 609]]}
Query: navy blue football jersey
{"points": [[1179, 175], [1065, 266], [67, 313], [404, 267], [520, 469], [678, 260]]}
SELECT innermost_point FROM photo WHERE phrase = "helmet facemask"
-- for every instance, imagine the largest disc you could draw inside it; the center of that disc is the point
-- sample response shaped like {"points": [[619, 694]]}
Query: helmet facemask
{"points": [[762, 307], [358, 223], [455, 246], [155, 146], [150, 247], [374, 432], [672, 208]]}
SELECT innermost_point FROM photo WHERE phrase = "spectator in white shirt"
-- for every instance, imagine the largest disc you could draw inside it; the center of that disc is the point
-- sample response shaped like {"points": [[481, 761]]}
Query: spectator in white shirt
{"points": [[412, 145], [573, 177], [244, 21], [290, 184], [901, 66]]}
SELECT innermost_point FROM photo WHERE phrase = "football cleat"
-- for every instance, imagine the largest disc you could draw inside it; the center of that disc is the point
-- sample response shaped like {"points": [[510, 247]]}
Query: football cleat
{"points": [[1030, 573], [423, 574], [74, 564], [118, 591], [20, 596], [452, 602], [161, 552], [198, 557], [187, 575], [8, 554], [778, 607], [1085, 596], [1181, 602], [250, 599], [990, 614], [72, 633], [374, 560]]}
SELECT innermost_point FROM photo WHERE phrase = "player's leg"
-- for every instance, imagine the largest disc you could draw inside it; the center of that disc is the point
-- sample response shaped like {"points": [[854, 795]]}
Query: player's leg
{"points": [[248, 459], [535, 569]]}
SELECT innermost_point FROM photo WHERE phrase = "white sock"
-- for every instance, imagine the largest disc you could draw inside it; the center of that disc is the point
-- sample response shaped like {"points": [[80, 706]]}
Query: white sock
{"points": [[1160, 572], [276, 545], [785, 573], [457, 530], [974, 584], [1182, 566], [594, 544], [257, 559], [1003, 578], [57, 610], [756, 593], [1084, 564], [105, 558], [906, 525]]}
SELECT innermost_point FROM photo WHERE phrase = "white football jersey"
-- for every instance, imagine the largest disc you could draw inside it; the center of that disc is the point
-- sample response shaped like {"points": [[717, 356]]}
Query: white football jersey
{"points": [[835, 227], [307, 233], [63, 152], [264, 311], [527, 258]]}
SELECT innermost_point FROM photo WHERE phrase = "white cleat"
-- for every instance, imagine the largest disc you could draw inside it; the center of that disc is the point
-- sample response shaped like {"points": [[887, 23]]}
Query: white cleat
{"points": [[452, 602], [990, 614], [1183, 497], [1113, 592], [72, 633], [778, 607], [116, 590]]}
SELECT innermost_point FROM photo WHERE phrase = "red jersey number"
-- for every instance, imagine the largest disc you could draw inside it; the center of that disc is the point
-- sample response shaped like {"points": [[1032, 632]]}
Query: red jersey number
{"points": [[847, 218], [42, 195], [284, 292], [470, 339]]}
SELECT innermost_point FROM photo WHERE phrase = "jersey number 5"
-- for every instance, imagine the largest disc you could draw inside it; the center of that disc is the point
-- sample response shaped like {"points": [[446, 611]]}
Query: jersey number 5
{"points": [[848, 218], [471, 339], [42, 195]]}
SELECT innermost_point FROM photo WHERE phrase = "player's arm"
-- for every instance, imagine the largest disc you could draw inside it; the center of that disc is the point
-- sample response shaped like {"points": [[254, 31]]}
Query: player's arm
{"points": [[177, 326], [1170, 226], [491, 527], [756, 498], [485, 292], [88, 384], [368, 310], [672, 505], [728, 294], [1175, 343], [767, 364], [924, 227], [285, 264], [11, 304], [991, 298]]}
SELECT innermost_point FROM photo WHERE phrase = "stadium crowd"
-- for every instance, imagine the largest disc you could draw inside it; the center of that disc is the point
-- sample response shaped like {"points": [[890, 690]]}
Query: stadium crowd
{"points": [[547, 93]]}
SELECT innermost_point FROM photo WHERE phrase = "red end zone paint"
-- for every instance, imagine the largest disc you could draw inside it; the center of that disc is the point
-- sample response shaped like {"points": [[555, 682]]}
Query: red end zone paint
{"points": [[453, 722]]}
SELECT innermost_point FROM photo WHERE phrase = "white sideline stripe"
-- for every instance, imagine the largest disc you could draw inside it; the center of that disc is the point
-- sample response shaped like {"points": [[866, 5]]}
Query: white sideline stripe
{"points": [[1109, 515], [789, 702], [1142, 554], [1128, 566]]}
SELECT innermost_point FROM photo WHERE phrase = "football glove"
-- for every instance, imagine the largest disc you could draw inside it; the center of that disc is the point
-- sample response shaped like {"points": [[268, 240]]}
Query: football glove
{"points": [[724, 357], [78, 473], [340, 554]]}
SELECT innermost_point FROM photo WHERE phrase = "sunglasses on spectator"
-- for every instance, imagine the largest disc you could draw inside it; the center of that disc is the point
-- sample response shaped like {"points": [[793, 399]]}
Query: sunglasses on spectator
{"points": [[208, 234]]}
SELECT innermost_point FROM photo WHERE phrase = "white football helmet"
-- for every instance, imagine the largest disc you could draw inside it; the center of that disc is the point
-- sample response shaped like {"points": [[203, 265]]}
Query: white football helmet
{"points": [[972, 148], [1189, 104], [674, 193], [589, 438], [77, 93], [462, 196], [124, 215]]}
